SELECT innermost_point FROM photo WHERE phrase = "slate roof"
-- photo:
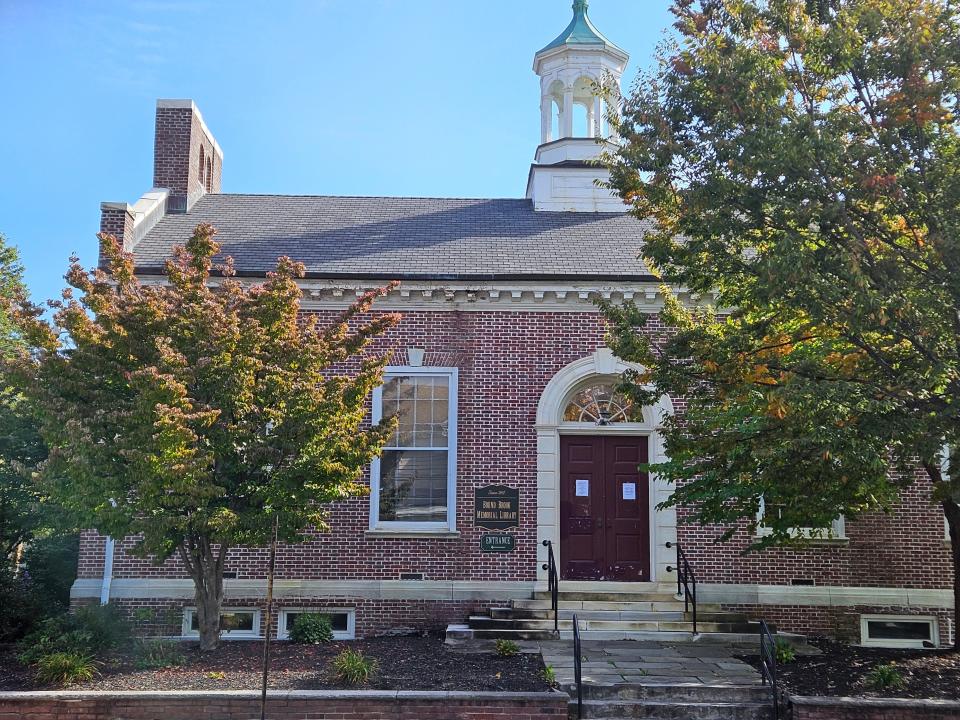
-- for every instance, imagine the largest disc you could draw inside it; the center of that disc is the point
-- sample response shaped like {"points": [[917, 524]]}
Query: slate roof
{"points": [[406, 238]]}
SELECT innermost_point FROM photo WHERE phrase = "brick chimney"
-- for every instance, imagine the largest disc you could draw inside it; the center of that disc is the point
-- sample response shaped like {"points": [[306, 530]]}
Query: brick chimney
{"points": [[186, 158]]}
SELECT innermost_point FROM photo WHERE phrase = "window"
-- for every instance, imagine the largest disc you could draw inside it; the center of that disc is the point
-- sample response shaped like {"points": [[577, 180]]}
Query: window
{"points": [[209, 183], [413, 482], [343, 621], [202, 169], [234, 623], [836, 531], [601, 404], [899, 631]]}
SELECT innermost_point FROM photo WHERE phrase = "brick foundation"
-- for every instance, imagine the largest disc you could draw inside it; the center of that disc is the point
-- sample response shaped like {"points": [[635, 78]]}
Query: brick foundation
{"points": [[294, 705], [821, 708]]}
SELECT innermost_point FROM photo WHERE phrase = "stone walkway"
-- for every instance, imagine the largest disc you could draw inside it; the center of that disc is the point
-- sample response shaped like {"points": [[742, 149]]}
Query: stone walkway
{"points": [[651, 662]]}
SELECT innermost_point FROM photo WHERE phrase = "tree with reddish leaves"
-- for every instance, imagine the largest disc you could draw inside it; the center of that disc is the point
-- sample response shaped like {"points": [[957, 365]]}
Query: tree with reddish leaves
{"points": [[199, 413]]}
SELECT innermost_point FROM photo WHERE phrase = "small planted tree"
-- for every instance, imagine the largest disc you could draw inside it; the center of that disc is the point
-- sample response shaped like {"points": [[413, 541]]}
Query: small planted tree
{"points": [[799, 159], [197, 413]]}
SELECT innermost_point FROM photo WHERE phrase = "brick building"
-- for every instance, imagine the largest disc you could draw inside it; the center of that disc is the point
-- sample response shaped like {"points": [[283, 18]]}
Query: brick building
{"points": [[511, 434]]}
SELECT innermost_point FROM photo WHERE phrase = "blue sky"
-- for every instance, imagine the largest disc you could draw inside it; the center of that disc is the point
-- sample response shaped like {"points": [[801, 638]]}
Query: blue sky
{"points": [[338, 97]]}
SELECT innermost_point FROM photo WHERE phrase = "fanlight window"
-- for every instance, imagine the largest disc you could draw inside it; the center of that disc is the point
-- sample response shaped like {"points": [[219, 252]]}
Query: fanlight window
{"points": [[601, 404]]}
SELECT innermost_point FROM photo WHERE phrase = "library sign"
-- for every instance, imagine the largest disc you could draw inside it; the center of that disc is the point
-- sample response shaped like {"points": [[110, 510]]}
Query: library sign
{"points": [[496, 507]]}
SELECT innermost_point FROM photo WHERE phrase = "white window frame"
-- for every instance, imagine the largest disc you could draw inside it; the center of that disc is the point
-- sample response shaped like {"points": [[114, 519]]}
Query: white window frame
{"points": [[283, 632], [188, 632], [867, 641], [836, 531], [377, 415]]}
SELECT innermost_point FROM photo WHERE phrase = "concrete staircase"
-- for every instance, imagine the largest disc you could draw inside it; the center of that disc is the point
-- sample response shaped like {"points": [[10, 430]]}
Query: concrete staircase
{"points": [[650, 613], [673, 701]]}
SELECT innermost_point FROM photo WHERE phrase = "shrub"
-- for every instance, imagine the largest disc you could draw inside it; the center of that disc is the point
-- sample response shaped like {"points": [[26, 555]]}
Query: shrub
{"points": [[549, 675], [22, 604], [353, 667], [63, 668], [51, 563], [506, 648], [153, 654], [92, 630], [311, 629], [883, 677], [784, 651]]}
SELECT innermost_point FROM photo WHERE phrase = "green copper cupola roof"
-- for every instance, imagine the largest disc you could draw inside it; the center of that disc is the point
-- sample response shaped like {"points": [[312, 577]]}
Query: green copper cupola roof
{"points": [[580, 31]]}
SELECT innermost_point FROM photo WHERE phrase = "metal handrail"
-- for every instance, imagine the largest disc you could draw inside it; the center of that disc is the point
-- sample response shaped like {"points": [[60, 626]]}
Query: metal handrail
{"points": [[577, 665], [686, 583], [553, 584], [768, 665]]}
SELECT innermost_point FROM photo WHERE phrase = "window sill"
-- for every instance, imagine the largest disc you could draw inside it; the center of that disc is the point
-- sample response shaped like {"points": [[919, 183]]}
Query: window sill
{"points": [[805, 541], [401, 534]]}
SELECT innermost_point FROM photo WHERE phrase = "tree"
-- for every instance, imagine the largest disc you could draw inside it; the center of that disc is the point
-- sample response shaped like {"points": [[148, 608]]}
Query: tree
{"points": [[799, 160], [22, 513], [196, 413]]}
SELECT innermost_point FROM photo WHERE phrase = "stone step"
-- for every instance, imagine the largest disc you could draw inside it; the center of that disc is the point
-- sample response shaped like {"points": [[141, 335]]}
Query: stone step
{"points": [[590, 596], [516, 613], [679, 692], [460, 633], [483, 622], [671, 709], [635, 606]]}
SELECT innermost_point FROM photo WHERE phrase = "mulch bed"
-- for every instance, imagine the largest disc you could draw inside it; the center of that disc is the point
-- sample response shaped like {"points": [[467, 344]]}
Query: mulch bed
{"points": [[405, 663], [842, 670]]}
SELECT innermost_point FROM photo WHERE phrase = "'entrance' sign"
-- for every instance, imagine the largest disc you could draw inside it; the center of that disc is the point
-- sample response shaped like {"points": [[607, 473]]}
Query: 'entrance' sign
{"points": [[496, 507], [501, 542]]}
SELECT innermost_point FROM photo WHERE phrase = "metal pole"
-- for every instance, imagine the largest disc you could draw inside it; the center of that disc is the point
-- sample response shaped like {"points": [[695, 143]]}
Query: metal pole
{"points": [[267, 619]]}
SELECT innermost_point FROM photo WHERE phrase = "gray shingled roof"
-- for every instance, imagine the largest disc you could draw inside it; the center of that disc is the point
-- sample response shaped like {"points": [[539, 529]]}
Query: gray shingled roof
{"points": [[405, 238]]}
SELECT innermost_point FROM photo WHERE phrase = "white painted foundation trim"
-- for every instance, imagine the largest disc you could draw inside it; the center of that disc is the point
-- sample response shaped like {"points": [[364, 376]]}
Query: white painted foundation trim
{"points": [[182, 589], [824, 595]]}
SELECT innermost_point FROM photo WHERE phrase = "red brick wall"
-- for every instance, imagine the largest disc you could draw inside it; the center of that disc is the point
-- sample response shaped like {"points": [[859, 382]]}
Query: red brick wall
{"points": [[870, 709], [505, 360], [281, 706]]}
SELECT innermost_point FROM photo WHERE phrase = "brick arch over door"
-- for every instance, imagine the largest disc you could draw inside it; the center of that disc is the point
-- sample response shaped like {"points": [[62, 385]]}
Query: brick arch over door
{"points": [[550, 424]]}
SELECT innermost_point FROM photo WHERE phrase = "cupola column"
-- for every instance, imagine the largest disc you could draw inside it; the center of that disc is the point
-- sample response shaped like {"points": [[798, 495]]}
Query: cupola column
{"points": [[546, 119], [566, 115]]}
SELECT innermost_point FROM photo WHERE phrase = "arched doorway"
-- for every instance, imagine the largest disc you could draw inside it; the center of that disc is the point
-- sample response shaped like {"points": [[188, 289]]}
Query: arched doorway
{"points": [[592, 503]]}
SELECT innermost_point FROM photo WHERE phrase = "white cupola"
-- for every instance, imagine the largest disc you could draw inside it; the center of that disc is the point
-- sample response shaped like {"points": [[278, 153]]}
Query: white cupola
{"points": [[572, 118]]}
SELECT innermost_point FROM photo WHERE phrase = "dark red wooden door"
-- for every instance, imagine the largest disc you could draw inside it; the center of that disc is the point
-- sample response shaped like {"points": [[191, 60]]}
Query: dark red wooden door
{"points": [[604, 508]]}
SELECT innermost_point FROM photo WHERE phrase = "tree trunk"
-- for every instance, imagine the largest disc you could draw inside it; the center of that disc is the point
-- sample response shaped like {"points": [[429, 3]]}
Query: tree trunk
{"points": [[206, 569], [952, 510]]}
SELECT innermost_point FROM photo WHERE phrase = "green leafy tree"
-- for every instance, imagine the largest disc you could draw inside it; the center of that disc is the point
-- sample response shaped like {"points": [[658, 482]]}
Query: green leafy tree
{"points": [[196, 413], [800, 161], [22, 514]]}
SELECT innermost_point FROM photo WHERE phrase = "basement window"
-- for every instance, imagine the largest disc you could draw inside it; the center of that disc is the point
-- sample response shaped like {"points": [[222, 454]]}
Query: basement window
{"points": [[899, 631], [343, 621], [235, 623]]}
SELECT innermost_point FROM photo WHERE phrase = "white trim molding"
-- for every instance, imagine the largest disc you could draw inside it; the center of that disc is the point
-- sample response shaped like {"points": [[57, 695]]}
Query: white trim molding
{"points": [[601, 365]]}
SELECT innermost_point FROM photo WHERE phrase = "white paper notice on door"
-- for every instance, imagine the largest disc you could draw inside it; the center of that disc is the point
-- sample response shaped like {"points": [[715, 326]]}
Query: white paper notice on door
{"points": [[629, 491], [583, 488]]}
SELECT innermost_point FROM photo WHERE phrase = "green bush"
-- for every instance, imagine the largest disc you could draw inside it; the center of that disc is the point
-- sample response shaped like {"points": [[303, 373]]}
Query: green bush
{"points": [[64, 668], [51, 564], [91, 630], [353, 667], [885, 677], [506, 648], [784, 651], [549, 675], [157, 653], [22, 605], [311, 629]]}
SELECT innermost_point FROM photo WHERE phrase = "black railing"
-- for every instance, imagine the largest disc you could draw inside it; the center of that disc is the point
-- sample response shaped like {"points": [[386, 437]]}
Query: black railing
{"points": [[768, 665], [553, 584], [577, 665], [686, 583]]}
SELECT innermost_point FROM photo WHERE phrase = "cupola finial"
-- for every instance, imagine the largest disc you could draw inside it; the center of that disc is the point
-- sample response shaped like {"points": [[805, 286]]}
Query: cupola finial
{"points": [[580, 6]]}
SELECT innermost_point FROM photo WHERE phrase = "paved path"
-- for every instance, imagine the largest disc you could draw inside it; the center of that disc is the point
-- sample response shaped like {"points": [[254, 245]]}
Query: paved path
{"points": [[651, 662]]}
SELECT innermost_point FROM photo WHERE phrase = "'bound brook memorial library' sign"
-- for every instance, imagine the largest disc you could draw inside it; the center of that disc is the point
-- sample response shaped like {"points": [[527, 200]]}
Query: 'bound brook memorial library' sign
{"points": [[496, 507]]}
